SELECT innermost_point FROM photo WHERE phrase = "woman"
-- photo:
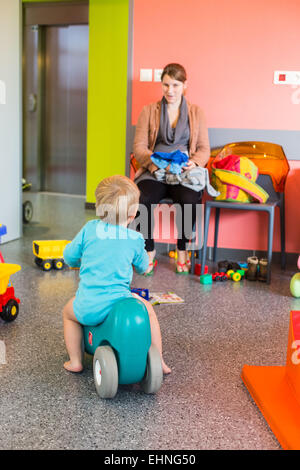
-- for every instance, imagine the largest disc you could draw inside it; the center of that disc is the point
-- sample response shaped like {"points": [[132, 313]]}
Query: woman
{"points": [[166, 126]]}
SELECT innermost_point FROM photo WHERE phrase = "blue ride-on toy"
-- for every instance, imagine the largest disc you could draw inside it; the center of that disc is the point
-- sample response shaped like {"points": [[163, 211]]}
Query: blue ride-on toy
{"points": [[122, 350]]}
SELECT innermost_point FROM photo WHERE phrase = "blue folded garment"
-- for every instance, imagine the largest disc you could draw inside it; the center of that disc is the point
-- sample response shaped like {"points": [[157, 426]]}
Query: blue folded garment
{"points": [[175, 159]]}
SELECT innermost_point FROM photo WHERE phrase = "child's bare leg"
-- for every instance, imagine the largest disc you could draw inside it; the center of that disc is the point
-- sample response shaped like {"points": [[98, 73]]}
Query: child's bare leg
{"points": [[155, 332], [73, 338]]}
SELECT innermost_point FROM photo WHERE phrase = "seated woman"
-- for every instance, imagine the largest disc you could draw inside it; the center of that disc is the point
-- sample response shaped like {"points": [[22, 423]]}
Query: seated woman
{"points": [[166, 126]]}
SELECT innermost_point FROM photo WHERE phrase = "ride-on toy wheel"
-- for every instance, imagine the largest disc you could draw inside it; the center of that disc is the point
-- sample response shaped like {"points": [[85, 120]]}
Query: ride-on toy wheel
{"points": [[27, 211], [105, 370], [152, 381], [10, 311]]}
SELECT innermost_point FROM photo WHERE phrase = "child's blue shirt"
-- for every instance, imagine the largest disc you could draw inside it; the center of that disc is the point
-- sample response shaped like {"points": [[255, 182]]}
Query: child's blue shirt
{"points": [[105, 254]]}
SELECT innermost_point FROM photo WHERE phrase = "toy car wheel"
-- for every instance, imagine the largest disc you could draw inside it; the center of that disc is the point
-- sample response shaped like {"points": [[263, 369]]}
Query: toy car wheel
{"points": [[236, 277], [105, 370], [47, 265], [27, 211], [152, 381], [10, 311], [58, 264]]}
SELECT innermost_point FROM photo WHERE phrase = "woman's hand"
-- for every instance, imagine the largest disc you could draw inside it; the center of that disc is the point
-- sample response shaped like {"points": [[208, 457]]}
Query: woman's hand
{"points": [[152, 168], [189, 165]]}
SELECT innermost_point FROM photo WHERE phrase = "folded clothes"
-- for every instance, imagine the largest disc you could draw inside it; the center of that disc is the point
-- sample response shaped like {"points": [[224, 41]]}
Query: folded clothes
{"points": [[176, 160], [196, 179]]}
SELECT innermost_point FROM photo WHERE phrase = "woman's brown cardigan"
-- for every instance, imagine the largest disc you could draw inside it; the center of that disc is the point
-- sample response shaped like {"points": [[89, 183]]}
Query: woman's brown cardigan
{"points": [[147, 129]]}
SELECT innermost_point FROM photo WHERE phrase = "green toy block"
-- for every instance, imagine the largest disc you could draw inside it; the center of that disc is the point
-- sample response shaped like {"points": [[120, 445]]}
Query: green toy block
{"points": [[241, 272], [206, 279]]}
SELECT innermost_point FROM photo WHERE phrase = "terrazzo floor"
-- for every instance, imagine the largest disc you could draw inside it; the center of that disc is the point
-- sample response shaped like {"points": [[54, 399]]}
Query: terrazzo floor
{"points": [[203, 404]]}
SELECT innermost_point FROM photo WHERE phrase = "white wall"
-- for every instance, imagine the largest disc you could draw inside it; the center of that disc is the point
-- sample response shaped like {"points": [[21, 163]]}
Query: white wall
{"points": [[10, 118]]}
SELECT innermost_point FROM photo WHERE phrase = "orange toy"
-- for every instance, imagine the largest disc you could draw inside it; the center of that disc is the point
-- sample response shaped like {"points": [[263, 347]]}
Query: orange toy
{"points": [[276, 390]]}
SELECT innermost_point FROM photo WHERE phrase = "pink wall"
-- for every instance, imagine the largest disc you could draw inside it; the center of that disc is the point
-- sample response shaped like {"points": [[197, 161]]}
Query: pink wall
{"points": [[230, 49]]}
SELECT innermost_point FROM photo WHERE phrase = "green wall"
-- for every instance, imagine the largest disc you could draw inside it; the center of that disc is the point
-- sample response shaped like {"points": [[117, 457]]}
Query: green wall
{"points": [[107, 90], [47, 1]]}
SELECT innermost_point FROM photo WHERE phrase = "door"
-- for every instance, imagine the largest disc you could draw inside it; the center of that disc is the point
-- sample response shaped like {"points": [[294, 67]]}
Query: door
{"points": [[66, 66], [55, 105]]}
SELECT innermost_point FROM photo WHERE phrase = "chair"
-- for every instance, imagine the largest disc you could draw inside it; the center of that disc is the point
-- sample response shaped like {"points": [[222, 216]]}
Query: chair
{"points": [[169, 201], [273, 168]]}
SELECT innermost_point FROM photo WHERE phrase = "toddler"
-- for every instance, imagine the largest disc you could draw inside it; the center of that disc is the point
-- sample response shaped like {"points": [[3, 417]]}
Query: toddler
{"points": [[105, 250]]}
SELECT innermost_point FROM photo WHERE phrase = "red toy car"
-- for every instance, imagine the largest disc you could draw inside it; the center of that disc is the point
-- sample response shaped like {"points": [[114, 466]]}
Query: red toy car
{"points": [[219, 277]]}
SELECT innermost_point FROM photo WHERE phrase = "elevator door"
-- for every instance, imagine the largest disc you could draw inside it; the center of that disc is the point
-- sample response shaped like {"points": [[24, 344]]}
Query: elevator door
{"points": [[55, 107], [65, 109]]}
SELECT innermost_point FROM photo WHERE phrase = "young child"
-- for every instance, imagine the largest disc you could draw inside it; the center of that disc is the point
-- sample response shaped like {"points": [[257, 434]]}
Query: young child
{"points": [[105, 249]]}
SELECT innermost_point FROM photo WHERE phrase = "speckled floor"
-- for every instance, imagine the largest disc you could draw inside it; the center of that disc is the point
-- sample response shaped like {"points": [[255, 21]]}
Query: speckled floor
{"points": [[203, 404]]}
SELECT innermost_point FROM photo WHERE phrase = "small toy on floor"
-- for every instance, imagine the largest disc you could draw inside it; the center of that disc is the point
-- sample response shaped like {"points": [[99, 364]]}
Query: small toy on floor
{"points": [[198, 269], [173, 254], [206, 279], [3, 231], [225, 265], [144, 293], [219, 277], [169, 298], [243, 265], [49, 253], [295, 283], [237, 275]]}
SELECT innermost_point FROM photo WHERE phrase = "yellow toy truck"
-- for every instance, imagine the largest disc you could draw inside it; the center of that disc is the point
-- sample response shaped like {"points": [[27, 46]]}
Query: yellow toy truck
{"points": [[49, 253]]}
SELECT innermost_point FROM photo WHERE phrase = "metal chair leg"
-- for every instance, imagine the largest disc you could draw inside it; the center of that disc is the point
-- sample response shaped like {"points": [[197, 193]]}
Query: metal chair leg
{"points": [[197, 223], [270, 242], [193, 251], [204, 247], [217, 220], [282, 231]]}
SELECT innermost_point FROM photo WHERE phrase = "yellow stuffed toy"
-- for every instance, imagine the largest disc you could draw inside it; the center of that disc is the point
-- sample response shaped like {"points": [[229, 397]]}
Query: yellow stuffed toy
{"points": [[234, 177]]}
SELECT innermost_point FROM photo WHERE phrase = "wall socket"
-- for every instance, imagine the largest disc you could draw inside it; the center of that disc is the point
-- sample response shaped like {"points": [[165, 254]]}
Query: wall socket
{"points": [[286, 78], [157, 75], [145, 75]]}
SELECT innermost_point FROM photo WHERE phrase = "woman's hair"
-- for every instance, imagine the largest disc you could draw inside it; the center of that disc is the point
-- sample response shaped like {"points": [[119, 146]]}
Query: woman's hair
{"points": [[175, 71], [117, 199]]}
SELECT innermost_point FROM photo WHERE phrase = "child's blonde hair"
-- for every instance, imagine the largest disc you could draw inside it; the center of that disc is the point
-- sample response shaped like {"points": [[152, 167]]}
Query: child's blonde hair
{"points": [[117, 199]]}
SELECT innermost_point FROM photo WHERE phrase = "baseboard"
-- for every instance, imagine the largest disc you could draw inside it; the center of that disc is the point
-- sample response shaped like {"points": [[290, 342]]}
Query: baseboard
{"points": [[235, 255], [225, 253]]}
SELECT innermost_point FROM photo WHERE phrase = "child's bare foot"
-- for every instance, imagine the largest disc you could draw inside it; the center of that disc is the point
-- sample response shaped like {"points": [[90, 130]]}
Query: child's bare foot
{"points": [[73, 367], [166, 369]]}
